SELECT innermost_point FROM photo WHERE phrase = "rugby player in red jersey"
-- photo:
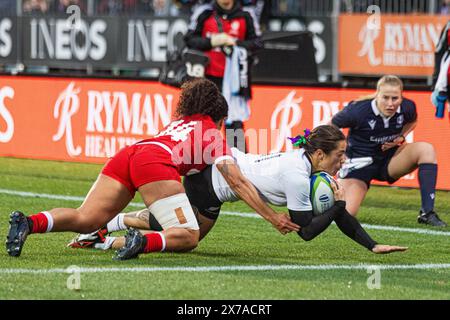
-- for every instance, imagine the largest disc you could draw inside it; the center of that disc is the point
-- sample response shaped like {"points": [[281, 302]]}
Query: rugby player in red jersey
{"points": [[154, 167]]}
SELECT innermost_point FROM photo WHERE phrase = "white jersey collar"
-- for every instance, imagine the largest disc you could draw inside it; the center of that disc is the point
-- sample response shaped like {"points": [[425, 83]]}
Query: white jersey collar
{"points": [[378, 113]]}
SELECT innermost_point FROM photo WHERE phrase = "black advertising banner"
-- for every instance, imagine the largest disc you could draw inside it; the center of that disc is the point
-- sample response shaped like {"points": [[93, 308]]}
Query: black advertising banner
{"points": [[8, 39], [133, 42], [320, 27], [61, 42], [286, 56], [144, 41]]}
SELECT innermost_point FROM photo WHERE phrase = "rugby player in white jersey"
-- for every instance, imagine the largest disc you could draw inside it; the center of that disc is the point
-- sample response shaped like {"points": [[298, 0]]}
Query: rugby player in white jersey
{"points": [[282, 179]]}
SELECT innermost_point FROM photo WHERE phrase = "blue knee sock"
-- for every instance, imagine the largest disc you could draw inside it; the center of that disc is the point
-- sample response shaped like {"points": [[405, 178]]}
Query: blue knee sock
{"points": [[427, 181]]}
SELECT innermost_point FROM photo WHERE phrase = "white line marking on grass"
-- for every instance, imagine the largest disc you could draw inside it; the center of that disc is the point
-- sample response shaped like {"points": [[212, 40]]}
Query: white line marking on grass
{"points": [[401, 229], [367, 226], [226, 213], [235, 268], [40, 195], [53, 196]]}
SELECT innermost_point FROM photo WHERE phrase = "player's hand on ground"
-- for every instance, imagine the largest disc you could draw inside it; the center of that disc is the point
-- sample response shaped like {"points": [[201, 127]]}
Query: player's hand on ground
{"points": [[283, 223], [381, 248], [338, 190]]}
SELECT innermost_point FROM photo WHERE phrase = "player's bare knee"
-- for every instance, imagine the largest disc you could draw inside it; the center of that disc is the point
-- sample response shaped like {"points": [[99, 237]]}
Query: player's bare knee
{"points": [[426, 153], [186, 239]]}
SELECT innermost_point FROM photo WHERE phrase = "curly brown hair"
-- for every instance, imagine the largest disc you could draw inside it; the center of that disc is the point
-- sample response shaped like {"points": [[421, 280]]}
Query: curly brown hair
{"points": [[201, 96]]}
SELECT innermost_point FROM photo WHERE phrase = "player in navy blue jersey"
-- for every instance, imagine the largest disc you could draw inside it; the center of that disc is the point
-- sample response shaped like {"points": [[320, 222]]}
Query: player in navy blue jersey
{"points": [[376, 147]]}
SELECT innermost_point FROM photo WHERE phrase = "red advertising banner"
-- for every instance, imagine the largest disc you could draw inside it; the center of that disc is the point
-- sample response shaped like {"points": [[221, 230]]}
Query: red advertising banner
{"points": [[78, 119], [388, 44], [87, 120]]}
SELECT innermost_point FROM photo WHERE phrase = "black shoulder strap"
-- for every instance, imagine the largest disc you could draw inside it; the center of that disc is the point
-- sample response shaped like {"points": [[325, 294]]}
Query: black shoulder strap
{"points": [[226, 50], [219, 23]]}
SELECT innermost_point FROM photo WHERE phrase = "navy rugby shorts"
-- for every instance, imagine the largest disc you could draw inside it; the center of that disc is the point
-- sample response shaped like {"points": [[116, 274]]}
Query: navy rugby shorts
{"points": [[378, 170]]}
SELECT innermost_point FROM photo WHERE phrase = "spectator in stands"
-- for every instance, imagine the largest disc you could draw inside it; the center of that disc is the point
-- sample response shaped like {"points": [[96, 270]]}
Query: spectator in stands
{"points": [[185, 7], [35, 6], [116, 7], [138, 7], [161, 8], [110, 7], [60, 6], [445, 8], [280, 10], [8, 7], [216, 28], [286, 7], [143, 6]]}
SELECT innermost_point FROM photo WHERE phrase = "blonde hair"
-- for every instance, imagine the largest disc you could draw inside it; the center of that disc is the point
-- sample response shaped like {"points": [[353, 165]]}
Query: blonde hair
{"points": [[390, 80]]}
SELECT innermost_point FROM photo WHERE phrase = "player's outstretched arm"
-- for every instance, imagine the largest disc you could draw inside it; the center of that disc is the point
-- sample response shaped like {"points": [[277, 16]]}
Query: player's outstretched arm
{"points": [[312, 226], [247, 192], [351, 227]]}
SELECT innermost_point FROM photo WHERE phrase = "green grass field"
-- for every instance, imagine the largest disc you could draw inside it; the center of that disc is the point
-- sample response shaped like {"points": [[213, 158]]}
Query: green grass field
{"points": [[289, 267]]}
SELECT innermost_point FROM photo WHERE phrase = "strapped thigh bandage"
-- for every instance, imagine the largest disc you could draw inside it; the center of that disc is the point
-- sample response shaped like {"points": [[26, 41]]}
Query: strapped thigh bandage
{"points": [[174, 211]]}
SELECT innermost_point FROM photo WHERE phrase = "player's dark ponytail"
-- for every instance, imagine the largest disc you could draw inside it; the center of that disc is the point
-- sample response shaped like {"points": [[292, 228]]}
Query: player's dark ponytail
{"points": [[324, 137]]}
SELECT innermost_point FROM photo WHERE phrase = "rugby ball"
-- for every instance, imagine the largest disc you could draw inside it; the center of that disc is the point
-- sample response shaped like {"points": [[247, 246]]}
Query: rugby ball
{"points": [[322, 197]]}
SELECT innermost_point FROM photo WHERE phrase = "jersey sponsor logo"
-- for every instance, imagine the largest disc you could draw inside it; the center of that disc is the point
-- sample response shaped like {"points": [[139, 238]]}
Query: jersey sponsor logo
{"points": [[372, 123], [268, 157], [235, 25], [381, 140], [213, 210]]}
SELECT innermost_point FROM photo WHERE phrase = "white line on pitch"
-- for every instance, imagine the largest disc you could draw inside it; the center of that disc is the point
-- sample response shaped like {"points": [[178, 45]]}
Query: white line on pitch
{"points": [[233, 268], [367, 226], [227, 213]]}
